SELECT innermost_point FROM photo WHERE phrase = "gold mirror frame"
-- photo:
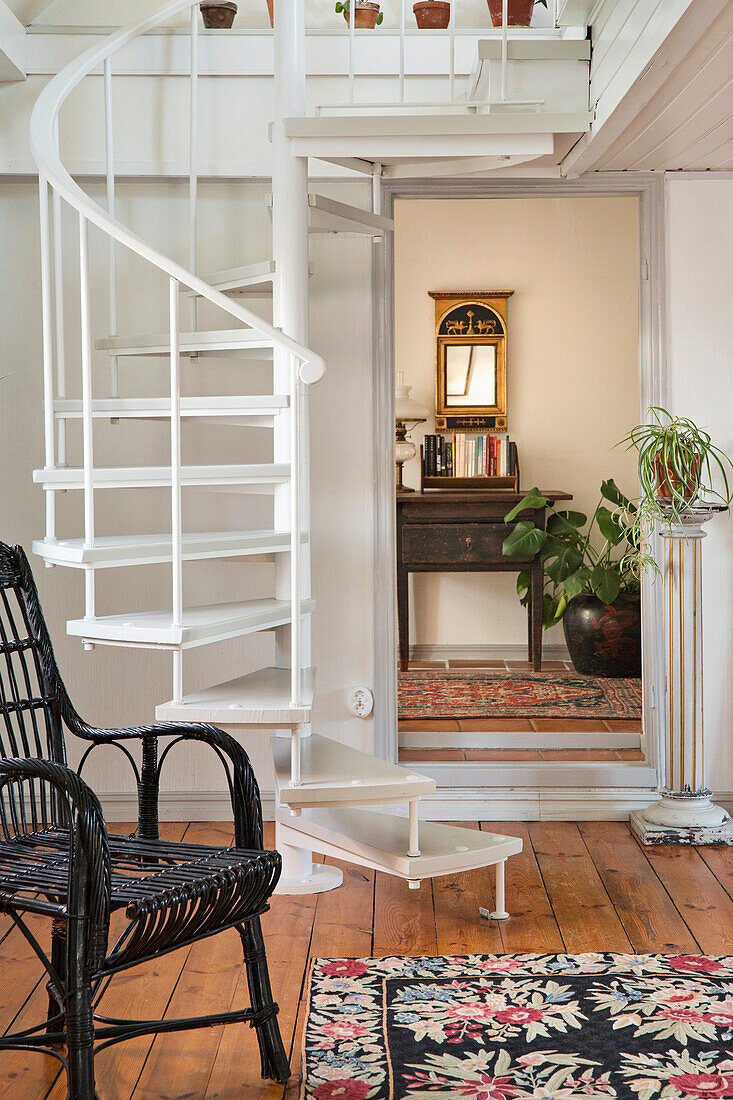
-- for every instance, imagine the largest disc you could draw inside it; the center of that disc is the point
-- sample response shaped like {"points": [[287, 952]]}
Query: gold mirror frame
{"points": [[464, 319]]}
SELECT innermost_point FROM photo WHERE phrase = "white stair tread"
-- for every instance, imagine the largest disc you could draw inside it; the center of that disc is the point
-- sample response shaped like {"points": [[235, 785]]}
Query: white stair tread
{"points": [[116, 477], [160, 407], [329, 216], [381, 841], [214, 341], [332, 774], [201, 625], [119, 550], [261, 698], [250, 278]]}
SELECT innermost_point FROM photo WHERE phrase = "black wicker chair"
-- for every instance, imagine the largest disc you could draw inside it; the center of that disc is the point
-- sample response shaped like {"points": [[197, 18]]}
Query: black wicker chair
{"points": [[57, 858]]}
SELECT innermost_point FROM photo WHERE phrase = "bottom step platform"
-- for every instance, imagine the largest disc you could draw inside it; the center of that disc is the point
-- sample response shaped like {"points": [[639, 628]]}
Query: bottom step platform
{"points": [[378, 840]]}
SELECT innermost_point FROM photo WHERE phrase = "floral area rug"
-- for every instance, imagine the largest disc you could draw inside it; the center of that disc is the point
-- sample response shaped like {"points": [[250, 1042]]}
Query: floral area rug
{"points": [[469, 694], [545, 1027]]}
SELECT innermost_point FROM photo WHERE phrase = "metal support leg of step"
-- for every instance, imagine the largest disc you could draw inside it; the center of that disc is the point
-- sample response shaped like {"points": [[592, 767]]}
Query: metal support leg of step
{"points": [[499, 912], [300, 875]]}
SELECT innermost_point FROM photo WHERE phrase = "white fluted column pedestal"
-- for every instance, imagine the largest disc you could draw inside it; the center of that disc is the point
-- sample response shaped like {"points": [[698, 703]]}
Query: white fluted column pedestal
{"points": [[685, 814]]}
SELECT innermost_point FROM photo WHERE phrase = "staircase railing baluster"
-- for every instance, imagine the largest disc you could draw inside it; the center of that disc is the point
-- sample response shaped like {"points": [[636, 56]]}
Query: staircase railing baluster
{"points": [[86, 401], [193, 182], [452, 51], [402, 50], [111, 205], [352, 26], [176, 515], [48, 382], [295, 434]]}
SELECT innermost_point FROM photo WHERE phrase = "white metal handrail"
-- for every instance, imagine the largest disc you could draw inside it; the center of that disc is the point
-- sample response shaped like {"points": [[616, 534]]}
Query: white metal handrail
{"points": [[307, 366], [43, 120]]}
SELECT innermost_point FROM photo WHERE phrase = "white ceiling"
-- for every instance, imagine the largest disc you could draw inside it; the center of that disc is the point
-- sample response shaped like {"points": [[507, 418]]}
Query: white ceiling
{"points": [[679, 114]]}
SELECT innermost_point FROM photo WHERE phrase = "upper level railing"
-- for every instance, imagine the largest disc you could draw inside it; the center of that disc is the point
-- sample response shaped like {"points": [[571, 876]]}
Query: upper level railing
{"points": [[450, 32], [306, 365]]}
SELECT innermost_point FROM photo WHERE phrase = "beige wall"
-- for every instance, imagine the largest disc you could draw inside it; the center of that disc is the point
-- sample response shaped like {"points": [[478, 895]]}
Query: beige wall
{"points": [[573, 387]]}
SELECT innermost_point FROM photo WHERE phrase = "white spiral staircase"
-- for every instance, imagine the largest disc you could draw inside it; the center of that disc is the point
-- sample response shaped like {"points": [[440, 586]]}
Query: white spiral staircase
{"points": [[322, 786]]}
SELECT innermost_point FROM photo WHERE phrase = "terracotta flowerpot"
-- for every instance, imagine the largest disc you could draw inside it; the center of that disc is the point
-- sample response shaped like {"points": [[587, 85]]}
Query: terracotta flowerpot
{"points": [[270, 7], [667, 479], [218, 16], [433, 15], [519, 12], [604, 639], [365, 16]]}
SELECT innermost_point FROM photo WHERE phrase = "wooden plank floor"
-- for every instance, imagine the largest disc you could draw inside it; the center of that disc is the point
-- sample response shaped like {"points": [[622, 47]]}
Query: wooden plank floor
{"points": [[584, 887]]}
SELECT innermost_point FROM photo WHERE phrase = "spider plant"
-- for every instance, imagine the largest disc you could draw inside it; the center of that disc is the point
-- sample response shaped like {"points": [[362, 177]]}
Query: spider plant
{"points": [[677, 463]]}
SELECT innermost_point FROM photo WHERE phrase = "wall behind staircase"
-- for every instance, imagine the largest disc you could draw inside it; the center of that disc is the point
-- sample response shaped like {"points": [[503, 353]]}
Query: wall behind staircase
{"points": [[121, 687]]}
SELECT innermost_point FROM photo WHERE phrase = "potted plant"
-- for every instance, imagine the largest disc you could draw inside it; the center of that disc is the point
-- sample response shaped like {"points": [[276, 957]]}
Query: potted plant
{"points": [[592, 578], [677, 462], [367, 15], [219, 15], [519, 12], [432, 14]]}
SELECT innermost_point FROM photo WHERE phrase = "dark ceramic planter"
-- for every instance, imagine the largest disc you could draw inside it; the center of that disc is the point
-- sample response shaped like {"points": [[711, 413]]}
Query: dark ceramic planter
{"points": [[604, 640]]}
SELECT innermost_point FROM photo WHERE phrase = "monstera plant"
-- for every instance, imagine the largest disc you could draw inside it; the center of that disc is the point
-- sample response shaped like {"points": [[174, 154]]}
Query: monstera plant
{"points": [[593, 571]]}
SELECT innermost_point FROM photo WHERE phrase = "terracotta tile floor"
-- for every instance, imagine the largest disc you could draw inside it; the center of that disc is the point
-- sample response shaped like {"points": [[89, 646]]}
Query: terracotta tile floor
{"points": [[415, 756], [514, 725]]}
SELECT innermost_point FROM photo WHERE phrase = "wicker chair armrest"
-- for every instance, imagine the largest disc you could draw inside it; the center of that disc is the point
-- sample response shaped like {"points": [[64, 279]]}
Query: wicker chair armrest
{"points": [[90, 878], [243, 787]]}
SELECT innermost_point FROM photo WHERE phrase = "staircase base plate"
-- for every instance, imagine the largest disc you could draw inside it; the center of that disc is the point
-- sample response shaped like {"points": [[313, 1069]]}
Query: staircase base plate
{"points": [[319, 881]]}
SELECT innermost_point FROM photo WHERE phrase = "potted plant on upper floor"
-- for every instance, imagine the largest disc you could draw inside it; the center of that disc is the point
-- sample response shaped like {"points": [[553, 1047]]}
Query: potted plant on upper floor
{"points": [[519, 12], [218, 14], [367, 15], [432, 14], [592, 578], [677, 464]]}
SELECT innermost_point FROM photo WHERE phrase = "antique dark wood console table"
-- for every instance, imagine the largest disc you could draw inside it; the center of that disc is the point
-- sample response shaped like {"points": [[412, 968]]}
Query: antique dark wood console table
{"points": [[441, 531]]}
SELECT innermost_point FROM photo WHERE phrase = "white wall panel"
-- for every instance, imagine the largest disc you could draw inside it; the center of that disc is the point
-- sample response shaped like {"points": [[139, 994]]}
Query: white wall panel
{"points": [[700, 323]]}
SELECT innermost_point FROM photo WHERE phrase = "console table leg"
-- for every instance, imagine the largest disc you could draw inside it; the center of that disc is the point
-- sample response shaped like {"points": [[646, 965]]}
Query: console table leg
{"points": [[403, 617]]}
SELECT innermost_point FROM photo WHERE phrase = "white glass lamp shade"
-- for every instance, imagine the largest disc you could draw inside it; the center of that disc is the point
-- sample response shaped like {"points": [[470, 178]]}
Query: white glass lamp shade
{"points": [[405, 407]]}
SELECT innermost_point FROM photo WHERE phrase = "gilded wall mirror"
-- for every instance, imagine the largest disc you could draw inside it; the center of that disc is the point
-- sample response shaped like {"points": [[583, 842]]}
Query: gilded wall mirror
{"points": [[470, 360]]}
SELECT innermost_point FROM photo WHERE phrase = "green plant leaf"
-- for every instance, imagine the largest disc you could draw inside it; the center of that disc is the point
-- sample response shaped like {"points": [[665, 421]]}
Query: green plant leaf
{"points": [[576, 582], [566, 523], [605, 582], [532, 499], [524, 541], [523, 588], [610, 526], [550, 605], [569, 561], [611, 492]]}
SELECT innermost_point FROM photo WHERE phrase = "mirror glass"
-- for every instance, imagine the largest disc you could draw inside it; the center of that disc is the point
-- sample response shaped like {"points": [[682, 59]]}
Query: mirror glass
{"points": [[470, 377]]}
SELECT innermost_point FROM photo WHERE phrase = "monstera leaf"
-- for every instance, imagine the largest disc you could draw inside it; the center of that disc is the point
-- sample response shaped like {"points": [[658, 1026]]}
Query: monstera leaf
{"points": [[605, 583], [566, 524], [531, 500], [611, 526], [576, 582], [611, 492], [524, 541], [568, 560]]}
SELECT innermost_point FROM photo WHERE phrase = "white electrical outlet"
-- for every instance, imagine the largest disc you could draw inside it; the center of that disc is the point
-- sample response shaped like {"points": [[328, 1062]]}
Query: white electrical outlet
{"points": [[360, 702]]}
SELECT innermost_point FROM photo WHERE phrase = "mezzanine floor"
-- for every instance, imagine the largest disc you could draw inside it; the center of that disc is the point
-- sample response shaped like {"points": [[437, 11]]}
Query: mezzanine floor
{"points": [[575, 887]]}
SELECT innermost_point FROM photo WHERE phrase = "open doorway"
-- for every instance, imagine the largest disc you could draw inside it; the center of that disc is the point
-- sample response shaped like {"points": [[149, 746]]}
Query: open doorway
{"points": [[470, 689]]}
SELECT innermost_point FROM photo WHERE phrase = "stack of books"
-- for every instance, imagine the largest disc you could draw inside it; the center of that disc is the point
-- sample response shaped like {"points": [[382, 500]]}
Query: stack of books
{"points": [[467, 454]]}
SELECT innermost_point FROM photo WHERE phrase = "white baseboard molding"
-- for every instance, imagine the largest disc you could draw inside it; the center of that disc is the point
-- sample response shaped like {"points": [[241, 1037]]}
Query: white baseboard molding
{"points": [[456, 804], [554, 652]]}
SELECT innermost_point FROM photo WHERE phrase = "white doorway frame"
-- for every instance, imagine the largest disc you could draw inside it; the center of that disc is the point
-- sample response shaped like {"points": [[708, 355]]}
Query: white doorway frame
{"points": [[648, 188]]}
